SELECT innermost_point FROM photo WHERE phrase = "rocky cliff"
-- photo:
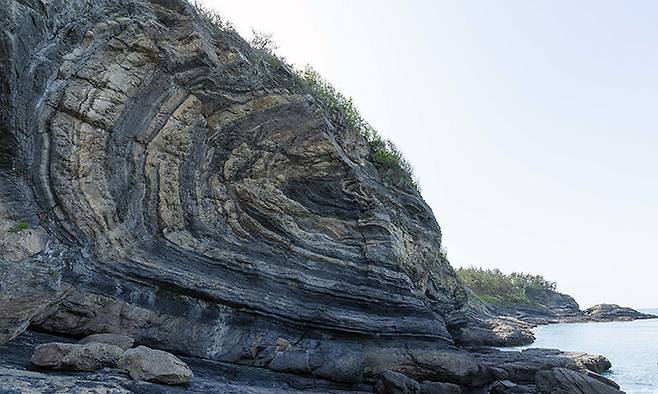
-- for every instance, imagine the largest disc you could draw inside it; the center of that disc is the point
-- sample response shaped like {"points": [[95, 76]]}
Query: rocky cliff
{"points": [[161, 180]]}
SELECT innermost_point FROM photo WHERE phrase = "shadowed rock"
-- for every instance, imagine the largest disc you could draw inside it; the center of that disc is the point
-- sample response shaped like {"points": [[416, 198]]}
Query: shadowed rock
{"points": [[396, 383], [121, 341]]}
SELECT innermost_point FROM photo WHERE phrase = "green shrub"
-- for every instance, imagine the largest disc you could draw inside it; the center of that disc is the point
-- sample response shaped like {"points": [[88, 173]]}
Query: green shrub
{"points": [[496, 287], [383, 151], [266, 48], [22, 226]]}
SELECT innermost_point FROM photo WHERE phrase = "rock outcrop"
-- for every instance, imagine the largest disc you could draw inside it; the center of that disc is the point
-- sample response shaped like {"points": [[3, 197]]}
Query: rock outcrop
{"points": [[167, 183], [511, 325], [565, 381], [613, 312]]}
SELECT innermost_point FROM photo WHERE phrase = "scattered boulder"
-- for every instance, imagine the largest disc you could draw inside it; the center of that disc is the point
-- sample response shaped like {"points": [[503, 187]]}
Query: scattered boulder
{"points": [[76, 357], [122, 341], [155, 366], [396, 383], [566, 381], [593, 363]]}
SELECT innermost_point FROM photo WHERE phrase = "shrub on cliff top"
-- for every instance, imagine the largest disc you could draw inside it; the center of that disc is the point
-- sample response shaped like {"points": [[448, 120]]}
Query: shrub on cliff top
{"points": [[496, 287], [383, 151]]}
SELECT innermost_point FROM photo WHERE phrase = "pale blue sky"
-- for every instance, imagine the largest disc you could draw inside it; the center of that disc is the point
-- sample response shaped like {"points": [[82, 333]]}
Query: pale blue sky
{"points": [[532, 125]]}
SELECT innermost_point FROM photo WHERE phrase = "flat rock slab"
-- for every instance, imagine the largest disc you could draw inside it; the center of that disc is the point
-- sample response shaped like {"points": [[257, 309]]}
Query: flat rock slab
{"points": [[566, 381], [75, 357], [122, 341], [156, 366]]}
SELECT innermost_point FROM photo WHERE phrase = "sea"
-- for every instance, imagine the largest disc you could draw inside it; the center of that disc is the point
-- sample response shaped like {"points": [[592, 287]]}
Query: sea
{"points": [[631, 347]]}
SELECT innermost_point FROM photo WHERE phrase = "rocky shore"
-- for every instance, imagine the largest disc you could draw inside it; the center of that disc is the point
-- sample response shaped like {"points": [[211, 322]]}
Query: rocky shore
{"points": [[164, 184], [501, 326]]}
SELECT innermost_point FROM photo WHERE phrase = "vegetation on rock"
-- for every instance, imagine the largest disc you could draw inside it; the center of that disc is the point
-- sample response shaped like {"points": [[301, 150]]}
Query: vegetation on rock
{"points": [[496, 287], [383, 151], [340, 108]]}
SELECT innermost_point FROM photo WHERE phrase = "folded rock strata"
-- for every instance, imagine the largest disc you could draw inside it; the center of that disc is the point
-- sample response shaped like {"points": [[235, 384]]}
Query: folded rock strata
{"points": [[167, 183]]}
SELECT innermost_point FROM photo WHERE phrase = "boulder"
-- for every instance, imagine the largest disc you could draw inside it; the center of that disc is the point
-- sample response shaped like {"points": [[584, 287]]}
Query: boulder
{"points": [[594, 363], [76, 357], [155, 366], [119, 340], [566, 381]]}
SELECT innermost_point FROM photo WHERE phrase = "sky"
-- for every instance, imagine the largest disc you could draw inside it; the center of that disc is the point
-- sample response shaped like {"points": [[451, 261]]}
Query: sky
{"points": [[532, 126]]}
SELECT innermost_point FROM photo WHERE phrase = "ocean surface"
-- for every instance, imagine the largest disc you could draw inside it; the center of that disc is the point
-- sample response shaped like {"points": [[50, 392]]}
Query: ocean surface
{"points": [[632, 347]]}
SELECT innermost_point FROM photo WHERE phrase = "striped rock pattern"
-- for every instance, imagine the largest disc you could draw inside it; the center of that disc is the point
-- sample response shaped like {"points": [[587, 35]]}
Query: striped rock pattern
{"points": [[201, 200]]}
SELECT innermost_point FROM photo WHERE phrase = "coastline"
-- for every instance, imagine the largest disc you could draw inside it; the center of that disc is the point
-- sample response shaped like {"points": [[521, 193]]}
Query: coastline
{"points": [[629, 345]]}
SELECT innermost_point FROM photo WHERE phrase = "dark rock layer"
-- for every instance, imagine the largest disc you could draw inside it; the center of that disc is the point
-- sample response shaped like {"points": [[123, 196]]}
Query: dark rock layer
{"points": [[552, 307], [160, 180]]}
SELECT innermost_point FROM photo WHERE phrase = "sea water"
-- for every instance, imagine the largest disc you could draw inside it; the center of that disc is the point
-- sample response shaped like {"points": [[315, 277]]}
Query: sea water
{"points": [[631, 347]]}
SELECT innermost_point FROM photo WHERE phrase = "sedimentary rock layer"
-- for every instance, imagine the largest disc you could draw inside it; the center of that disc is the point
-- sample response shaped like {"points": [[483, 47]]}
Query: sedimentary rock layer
{"points": [[195, 197], [162, 180]]}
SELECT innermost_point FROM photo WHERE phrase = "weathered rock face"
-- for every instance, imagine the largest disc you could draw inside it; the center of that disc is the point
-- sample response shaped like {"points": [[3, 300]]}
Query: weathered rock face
{"points": [[168, 184], [613, 312], [156, 366], [565, 381], [197, 199], [121, 341], [74, 357]]}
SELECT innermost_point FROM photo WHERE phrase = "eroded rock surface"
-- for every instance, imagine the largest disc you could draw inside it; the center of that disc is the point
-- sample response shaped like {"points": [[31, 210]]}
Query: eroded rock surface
{"points": [[565, 381], [155, 366], [119, 340], [171, 185], [75, 357]]}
